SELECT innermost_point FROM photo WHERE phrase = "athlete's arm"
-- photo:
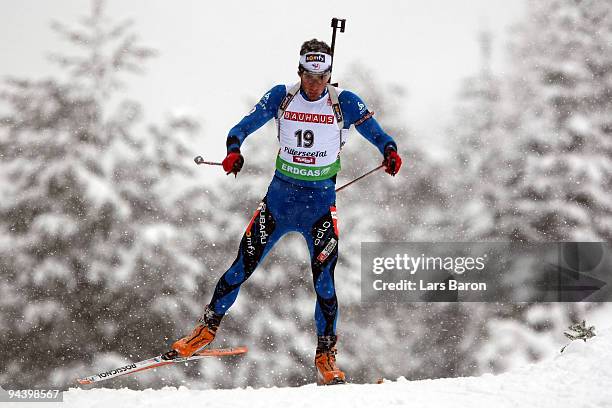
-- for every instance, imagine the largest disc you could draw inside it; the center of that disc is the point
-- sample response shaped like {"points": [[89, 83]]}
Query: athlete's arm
{"points": [[356, 113], [263, 111]]}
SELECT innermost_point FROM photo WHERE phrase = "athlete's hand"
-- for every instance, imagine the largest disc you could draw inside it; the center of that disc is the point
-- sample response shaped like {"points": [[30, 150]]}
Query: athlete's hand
{"points": [[392, 161], [233, 162]]}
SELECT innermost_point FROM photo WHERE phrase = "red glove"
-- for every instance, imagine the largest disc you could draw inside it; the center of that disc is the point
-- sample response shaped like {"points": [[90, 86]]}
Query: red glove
{"points": [[392, 161], [233, 162]]}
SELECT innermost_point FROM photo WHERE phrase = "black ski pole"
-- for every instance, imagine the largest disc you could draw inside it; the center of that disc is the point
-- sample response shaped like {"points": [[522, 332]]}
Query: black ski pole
{"points": [[336, 23], [360, 177], [200, 160]]}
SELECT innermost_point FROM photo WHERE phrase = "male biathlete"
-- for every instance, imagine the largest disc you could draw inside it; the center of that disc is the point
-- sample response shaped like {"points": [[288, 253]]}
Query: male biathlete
{"points": [[312, 118]]}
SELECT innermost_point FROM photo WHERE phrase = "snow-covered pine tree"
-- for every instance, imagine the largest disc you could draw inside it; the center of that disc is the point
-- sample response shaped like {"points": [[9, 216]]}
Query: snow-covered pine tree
{"points": [[548, 147], [412, 206], [415, 199], [563, 84], [479, 137], [562, 101], [91, 259]]}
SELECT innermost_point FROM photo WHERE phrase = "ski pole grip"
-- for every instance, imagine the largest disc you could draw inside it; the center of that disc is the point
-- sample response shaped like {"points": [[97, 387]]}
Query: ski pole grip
{"points": [[200, 160], [335, 21]]}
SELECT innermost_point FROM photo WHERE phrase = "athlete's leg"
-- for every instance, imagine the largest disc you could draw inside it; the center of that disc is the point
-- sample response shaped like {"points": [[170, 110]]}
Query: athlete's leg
{"points": [[260, 236], [322, 239], [323, 245]]}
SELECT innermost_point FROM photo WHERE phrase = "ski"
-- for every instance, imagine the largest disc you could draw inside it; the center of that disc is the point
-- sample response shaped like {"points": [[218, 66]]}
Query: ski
{"points": [[170, 357]]}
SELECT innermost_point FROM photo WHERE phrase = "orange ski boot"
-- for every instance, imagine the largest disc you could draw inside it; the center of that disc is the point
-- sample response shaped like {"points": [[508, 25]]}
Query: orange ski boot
{"points": [[201, 336], [328, 372]]}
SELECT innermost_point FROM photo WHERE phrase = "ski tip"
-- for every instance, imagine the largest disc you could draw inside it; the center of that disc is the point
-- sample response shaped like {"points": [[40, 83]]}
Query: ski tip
{"points": [[84, 381]]}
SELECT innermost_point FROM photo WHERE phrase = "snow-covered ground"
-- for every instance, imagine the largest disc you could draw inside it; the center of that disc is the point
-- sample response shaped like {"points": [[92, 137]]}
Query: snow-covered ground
{"points": [[580, 377]]}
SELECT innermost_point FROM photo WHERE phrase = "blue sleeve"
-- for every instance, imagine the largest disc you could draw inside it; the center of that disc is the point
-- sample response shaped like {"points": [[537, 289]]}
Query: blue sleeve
{"points": [[263, 111], [356, 113]]}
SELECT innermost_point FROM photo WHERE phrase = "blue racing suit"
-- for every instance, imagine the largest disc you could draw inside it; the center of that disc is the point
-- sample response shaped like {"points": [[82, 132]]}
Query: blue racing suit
{"points": [[303, 206]]}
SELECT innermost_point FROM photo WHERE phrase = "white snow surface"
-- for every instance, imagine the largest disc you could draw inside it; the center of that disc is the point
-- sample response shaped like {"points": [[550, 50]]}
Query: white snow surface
{"points": [[580, 377]]}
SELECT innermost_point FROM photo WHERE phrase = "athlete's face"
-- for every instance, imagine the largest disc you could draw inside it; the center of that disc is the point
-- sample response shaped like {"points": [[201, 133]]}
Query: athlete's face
{"points": [[313, 85]]}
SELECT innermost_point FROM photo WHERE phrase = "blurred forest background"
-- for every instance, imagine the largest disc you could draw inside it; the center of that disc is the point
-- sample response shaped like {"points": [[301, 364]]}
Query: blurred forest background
{"points": [[111, 239]]}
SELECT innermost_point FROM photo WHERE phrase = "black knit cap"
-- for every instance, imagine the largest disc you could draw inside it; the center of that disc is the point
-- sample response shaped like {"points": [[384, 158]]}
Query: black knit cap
{"points": [[315, 45]]}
